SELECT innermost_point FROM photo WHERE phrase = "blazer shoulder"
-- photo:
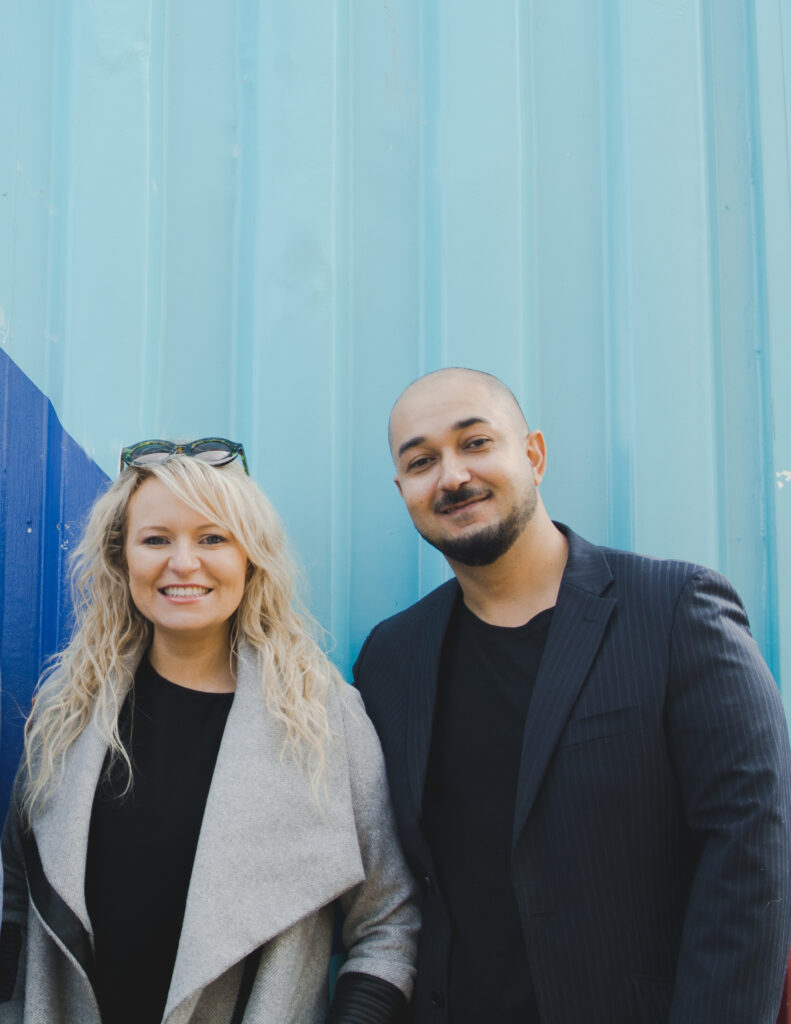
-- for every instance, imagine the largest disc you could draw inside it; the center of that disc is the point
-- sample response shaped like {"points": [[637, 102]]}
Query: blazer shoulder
{"points": [[432, 606], [673, 573], [419, 628], [666, 588]]}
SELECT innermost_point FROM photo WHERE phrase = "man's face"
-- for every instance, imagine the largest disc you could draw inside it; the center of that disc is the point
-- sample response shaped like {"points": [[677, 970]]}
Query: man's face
{"points": [[466, 467]]}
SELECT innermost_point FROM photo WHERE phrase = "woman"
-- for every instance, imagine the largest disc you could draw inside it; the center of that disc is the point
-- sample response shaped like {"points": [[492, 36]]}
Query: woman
{"points": [[199, 785]]}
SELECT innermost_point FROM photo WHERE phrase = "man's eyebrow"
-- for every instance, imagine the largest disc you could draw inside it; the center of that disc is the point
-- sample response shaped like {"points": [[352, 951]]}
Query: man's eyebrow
{"points": [[469, 422], [413, 442]]}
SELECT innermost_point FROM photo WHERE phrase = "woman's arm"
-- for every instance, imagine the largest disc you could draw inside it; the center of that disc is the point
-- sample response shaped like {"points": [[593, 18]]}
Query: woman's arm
{"points": [[382, 917]]}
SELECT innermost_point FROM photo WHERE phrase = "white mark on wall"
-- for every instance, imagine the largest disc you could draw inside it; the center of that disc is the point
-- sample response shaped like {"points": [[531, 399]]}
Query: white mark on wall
{"points": [[5, 328], [783, 477]]}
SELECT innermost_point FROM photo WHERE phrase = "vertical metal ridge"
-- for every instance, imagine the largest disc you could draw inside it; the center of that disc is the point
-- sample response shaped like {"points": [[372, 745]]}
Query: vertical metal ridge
{"points": [[56, 371], [432, 344], [784, 16], [710, 188], [769, 578], [342, 336], [433, 347], [153, 214], [54, 566], [619, 411], [245, 227], [531, 349]]}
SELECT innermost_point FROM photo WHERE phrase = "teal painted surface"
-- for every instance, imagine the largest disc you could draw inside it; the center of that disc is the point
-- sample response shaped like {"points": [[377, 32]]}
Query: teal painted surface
{"points": [[263, 219]]}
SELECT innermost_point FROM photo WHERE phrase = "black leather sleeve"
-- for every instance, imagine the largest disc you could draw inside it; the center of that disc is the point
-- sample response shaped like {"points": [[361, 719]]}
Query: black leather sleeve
{"points": [[364, 999]]}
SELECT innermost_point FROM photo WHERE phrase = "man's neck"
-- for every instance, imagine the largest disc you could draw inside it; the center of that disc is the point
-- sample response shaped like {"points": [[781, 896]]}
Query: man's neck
{"points": [[522, 582]]}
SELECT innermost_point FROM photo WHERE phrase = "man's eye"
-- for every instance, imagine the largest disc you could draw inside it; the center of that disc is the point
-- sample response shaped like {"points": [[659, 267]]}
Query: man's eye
{"points": [[477, 442], [419, 463]]}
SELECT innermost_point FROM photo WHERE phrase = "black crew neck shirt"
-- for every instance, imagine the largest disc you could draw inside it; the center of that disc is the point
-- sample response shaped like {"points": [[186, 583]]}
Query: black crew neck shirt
{"points": [[486, 681], [142, 844]]}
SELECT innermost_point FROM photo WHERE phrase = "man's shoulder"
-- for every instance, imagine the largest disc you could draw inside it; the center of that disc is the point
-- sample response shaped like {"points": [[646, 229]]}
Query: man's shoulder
{"points": [[436, 603], [419, 627], [638, 581], [634, 565]]}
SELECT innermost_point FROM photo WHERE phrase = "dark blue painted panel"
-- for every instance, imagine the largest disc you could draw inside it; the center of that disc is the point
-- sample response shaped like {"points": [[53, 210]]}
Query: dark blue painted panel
{"points": [[47, 483]]}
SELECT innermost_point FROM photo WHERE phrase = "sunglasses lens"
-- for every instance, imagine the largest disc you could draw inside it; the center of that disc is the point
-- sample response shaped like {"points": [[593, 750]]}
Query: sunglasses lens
{"points": [[213, 452], [148, 456]]}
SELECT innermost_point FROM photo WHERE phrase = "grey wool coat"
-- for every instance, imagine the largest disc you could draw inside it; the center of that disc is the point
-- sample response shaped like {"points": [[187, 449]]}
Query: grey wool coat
{"points": [[270, 863]]}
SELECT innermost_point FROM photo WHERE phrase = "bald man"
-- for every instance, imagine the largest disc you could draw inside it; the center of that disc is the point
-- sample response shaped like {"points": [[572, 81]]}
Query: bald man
{"points": [[588, 757]]}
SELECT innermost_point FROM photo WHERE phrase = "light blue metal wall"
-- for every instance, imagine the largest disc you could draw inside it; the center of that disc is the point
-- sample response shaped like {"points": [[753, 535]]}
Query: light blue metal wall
{"points": [[262, 219]]}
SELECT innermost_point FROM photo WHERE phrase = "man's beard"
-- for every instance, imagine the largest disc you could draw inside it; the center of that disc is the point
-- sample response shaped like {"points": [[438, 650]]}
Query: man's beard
{"points": [[489, 543]]}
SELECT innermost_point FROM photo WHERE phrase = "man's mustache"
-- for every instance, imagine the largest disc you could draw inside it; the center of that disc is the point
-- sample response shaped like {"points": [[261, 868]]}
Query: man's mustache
{"points": [[454, 498]]}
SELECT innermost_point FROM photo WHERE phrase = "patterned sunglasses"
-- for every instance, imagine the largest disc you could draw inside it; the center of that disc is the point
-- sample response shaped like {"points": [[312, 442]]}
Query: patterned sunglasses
{"points": [[217, 451]]}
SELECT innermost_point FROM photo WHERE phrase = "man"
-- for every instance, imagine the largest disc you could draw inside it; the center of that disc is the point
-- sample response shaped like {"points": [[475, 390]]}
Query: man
{"points": [[588, 757]]}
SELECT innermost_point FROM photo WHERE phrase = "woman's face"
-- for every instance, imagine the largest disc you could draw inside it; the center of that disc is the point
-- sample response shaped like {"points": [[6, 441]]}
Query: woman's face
{"points": [[186, 573]]}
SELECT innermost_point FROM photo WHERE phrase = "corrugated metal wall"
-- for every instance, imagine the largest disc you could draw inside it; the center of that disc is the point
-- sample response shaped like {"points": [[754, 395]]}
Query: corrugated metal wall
{"points": [[262, 219]]}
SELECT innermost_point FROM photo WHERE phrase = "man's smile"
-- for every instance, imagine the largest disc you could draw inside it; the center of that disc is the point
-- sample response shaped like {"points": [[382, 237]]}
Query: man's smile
{"points": [[459, 500]]}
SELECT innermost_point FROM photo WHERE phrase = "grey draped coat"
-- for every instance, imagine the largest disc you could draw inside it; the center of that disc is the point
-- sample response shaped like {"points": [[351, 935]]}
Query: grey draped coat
{"points": [[270, 862]]}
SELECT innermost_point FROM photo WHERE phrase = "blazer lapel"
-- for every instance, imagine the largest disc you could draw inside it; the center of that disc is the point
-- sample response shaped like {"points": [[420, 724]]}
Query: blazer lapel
{"points": [[578, 624], [268, 853], [422, 654]]}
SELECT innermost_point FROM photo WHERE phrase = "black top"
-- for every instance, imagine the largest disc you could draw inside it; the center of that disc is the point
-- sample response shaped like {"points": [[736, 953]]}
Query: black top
{"points": [[486, 681], [141, 846]]}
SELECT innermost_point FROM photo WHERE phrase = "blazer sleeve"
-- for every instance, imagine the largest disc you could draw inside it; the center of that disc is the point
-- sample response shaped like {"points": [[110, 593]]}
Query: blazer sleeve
{"points": [[382, 919], [14, 919], [729, 743]]}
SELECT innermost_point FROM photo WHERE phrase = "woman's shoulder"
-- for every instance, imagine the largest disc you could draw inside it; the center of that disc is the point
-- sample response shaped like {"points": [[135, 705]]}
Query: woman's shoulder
{"points": [[350, 724]]}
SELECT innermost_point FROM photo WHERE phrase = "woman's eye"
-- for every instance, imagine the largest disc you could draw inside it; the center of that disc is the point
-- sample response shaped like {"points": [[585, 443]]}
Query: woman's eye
{"points": [[154, 541], [214, 538]]}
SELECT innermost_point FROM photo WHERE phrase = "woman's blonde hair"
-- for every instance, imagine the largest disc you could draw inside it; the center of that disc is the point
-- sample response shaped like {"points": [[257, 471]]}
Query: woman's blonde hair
{"points": [[91, 676]]}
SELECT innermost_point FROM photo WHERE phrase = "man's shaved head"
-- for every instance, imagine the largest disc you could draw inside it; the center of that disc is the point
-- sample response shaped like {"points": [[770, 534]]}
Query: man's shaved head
{"points": [[430, 385]]}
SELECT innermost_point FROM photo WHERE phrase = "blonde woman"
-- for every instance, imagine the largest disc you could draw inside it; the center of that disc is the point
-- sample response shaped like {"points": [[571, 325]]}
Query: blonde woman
{"points": [[199, 786]]}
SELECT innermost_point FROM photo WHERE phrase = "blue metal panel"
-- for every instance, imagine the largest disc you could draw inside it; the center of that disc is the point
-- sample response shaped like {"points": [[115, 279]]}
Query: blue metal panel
{"points": [[264, 219], [46, 485]]}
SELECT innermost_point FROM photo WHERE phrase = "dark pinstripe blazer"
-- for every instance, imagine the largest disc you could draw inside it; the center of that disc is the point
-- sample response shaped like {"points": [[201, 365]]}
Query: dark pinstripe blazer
{"points": [[651, 850]]}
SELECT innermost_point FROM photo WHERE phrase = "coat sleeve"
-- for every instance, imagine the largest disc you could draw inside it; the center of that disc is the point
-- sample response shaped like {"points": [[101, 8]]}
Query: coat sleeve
{"points": [[729, 742], [381, 913], [15, 914]]}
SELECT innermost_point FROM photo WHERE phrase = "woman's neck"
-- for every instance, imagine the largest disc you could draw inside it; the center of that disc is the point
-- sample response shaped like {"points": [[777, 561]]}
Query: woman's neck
{"points": [[196, 662]]}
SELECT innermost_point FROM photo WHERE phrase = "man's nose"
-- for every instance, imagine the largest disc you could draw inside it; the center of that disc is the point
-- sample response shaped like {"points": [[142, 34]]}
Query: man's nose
{"points": [[454, 473]]}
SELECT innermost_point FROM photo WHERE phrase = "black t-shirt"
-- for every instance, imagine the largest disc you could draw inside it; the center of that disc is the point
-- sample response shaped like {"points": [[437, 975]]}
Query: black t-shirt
{"points": [[486, 682], [142, 844]]}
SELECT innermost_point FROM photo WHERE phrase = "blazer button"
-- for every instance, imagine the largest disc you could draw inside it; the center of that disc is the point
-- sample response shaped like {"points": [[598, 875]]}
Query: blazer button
{"points": [[437, 999], [428, 883]]}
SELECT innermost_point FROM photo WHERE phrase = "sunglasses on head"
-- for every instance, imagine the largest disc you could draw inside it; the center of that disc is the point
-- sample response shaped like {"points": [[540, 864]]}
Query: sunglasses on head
{"points": [[217, 451]]}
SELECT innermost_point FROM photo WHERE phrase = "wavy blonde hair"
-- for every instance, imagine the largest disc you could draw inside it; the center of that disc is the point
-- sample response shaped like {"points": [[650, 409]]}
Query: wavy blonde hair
{"points": [[92, 674]]}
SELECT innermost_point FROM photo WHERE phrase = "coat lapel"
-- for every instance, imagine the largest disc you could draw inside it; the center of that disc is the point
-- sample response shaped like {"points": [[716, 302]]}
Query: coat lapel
{"points": [[268, 853], [57, 853], [578, 624], [422, 654]]}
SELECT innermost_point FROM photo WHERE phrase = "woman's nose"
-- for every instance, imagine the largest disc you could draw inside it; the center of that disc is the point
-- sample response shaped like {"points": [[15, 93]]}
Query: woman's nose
{"points": [[183, 558]]}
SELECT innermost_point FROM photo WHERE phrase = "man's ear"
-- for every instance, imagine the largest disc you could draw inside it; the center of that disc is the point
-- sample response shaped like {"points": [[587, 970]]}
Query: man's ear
{"points": [[536, 450], [398, 485]]}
